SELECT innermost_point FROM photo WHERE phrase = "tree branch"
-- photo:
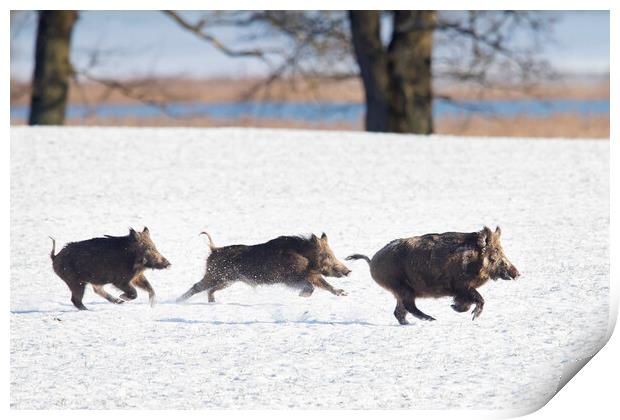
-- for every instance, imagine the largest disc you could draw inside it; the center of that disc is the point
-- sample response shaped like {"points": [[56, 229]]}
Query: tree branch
{"points": [[197, 29]]}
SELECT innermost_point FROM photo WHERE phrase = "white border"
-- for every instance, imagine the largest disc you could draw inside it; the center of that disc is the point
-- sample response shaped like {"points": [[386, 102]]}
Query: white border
{"points": [[594, 390]]}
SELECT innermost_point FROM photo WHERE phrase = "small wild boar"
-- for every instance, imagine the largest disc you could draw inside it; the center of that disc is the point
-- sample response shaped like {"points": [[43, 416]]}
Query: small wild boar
{"points": [[295, 261], [437, 265], [119, 260]]}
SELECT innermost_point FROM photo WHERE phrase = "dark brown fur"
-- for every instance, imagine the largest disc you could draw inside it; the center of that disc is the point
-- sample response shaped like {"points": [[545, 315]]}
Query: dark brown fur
{"points": [[437, 265], [294, 261], [119, 260]]}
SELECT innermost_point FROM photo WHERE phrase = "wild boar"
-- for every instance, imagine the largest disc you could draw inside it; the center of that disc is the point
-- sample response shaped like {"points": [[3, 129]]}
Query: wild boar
{"points": [[437, 265], [294, 261], [119, 260]]}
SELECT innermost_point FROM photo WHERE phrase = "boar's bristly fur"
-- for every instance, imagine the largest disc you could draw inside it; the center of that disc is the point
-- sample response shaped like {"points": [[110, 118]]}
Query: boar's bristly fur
{"points": [[119, 260], [294, 261], [437, 265]]}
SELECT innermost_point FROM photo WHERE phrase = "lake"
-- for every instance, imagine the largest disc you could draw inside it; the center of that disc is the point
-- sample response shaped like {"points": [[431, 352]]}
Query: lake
{"points": [[332, 112]]}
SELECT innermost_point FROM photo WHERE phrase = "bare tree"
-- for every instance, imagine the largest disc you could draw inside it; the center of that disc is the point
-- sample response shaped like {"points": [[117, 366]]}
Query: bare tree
{"points": [[397, 79], [53, 71], [397, 73], [394, 53], [291, 45]]}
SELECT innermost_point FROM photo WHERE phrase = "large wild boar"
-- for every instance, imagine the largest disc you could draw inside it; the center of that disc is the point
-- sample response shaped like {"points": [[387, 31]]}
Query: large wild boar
{"points": [[294, 261], [437, 265], [119, 260]]}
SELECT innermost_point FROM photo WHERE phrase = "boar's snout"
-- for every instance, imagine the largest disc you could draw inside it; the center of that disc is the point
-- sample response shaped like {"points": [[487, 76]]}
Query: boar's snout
{"points": [[156, 262], [509, 272], [513, 272], [339, 271]]}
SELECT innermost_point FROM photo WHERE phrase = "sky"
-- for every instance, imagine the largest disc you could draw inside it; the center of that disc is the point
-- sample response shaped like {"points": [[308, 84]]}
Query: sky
{"points": [[148, 43]]}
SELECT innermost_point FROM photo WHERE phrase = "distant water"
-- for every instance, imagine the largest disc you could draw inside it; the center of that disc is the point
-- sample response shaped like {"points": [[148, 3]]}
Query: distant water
{"points": [[332, 112]]}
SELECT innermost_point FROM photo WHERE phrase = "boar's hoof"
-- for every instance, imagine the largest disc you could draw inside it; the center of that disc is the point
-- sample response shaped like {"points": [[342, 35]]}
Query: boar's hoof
{"points": [[127, 297], [118, 301], [340, 292], [306, 293], [460, 307], [78, 304], [152, 301], [403, 321], [476, 312]]}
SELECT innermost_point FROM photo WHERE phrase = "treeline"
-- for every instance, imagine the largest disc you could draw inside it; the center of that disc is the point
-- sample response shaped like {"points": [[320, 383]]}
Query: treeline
{"points": [[396, 70]]}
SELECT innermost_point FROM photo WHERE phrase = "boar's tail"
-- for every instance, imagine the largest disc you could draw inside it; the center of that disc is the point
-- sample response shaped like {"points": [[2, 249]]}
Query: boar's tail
{"points": [[211, 244], [53, 253], [358, 257]]}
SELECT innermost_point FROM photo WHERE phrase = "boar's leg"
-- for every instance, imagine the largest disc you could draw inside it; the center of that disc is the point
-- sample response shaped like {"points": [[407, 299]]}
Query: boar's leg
{"points": [[207, 282], [461, 304], [129, 292], [196, 288], [472, 296], [77, 293], [318, 281], [144, 284], [413, 310], [407, 297], [307, 290], [401, 313], [217, 287], [98, 288]]}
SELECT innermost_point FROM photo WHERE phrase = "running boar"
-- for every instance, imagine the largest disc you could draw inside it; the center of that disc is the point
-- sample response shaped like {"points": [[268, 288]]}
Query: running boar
{"points": [[437, 265], [119, 260], [295, 261]]}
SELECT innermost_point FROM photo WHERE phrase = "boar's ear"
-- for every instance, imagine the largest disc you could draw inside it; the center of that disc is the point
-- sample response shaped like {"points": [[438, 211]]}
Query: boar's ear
{"points": [[324, 237], [313, 238], [498, 231], [145, 230], [484, 237], [133, 233]]}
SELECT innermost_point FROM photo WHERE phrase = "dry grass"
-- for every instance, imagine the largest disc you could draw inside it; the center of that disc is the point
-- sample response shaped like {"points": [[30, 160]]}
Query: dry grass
{"points": [[558, 125], [551, 90], [229, 90], [202, 121], [296, 90], [209, 91]]}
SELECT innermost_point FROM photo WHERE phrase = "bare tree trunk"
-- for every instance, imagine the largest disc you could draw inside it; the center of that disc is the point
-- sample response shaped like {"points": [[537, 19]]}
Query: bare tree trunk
{"points": [[52, 72], [410, 108], [397, 81], [372, 60]]}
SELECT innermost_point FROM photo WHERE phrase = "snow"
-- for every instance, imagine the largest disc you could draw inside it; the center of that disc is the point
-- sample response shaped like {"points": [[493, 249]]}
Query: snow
{"points": [[266, 347]]}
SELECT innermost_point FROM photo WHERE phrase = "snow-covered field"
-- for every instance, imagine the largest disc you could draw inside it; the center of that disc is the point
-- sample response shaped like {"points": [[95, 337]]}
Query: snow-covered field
{"points": [[267, 347]]}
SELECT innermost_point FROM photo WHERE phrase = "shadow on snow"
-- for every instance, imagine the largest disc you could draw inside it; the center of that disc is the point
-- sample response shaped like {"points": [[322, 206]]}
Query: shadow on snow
{"points": [[307, 322]]}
